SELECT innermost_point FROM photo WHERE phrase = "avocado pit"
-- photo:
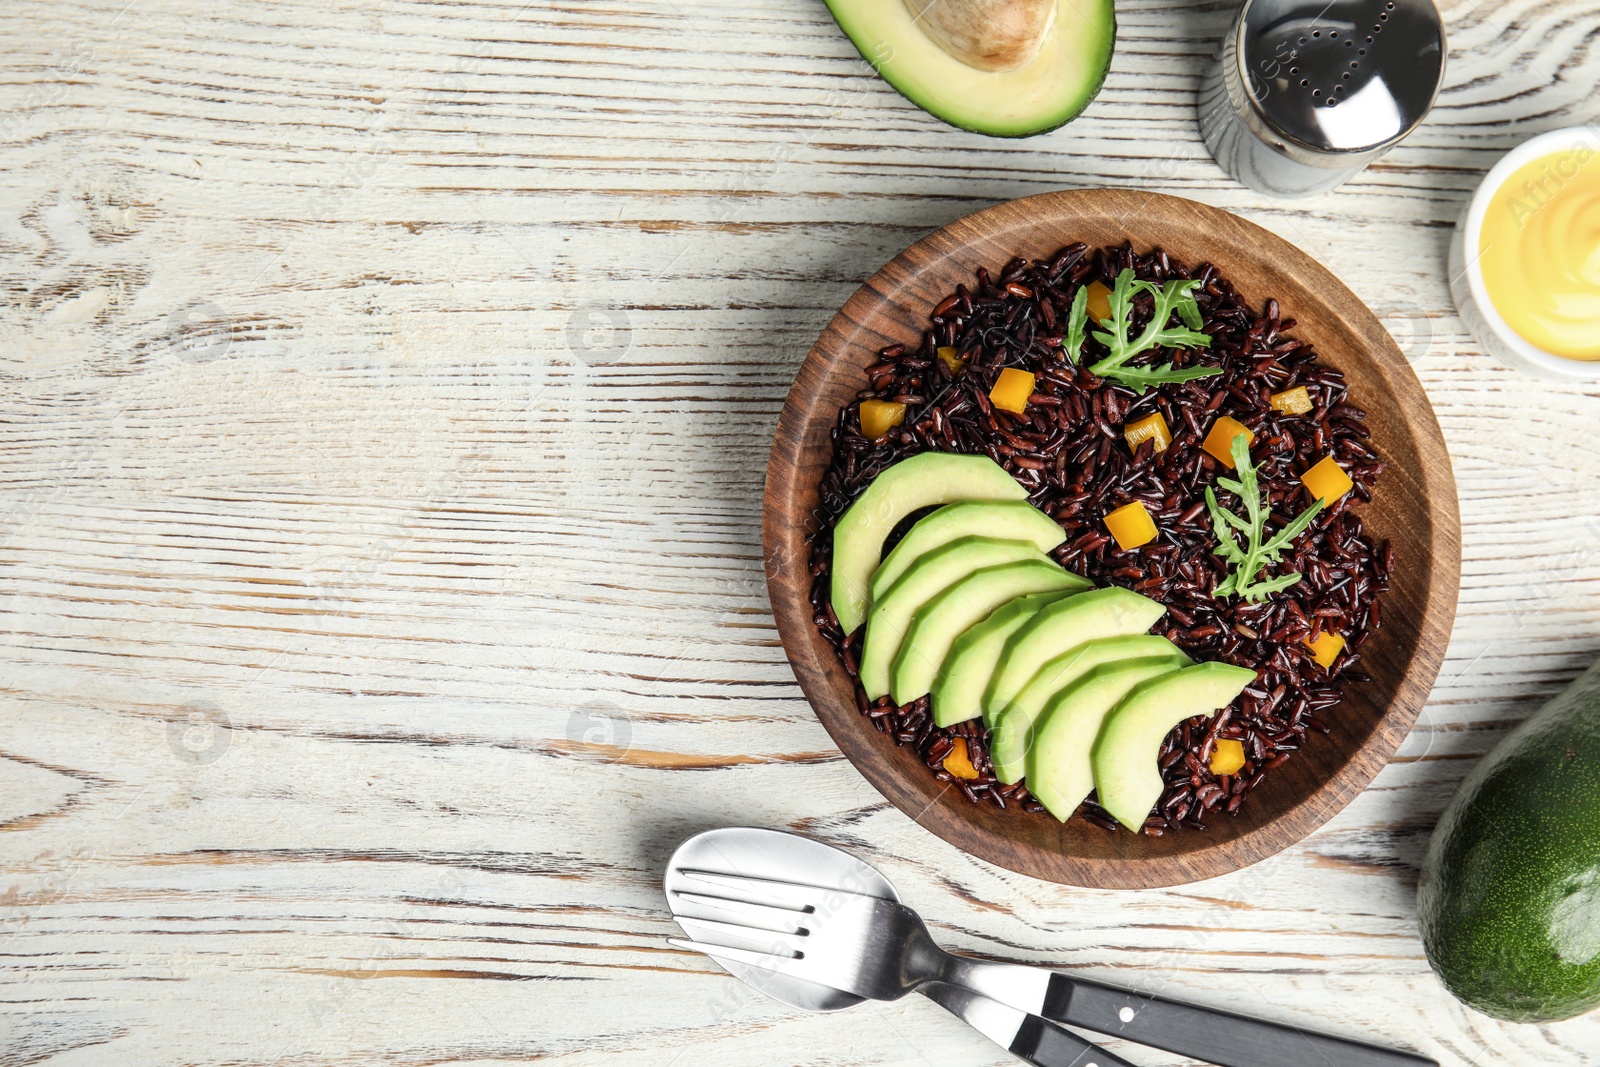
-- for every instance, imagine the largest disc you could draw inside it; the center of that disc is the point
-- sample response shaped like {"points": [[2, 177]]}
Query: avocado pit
{"points": [[989, 35]]}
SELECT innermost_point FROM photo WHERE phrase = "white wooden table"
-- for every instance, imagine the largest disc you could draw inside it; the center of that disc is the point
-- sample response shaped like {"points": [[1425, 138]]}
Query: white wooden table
{"points": [[385, 392]]}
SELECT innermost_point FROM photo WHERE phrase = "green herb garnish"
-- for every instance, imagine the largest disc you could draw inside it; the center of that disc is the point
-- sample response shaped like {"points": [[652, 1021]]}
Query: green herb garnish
{"points": [[1248, 561], [1076, 318], [1174, 296]]}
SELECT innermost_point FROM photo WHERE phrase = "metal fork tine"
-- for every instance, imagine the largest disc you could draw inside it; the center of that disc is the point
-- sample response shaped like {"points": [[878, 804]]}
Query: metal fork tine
{"points": [[777, 964], [778, 920], [777, 944], [792, 894]]}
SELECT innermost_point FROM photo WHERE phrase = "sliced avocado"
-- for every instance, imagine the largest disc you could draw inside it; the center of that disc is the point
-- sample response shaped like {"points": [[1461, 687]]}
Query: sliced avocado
{"points": [[1060, 770], [1011, 520], [1060, 628], [926, 579], [1047, 91], [958, 687], [1127, 772], [1014, 724], [1509, 897], [1073, 664], [1013, 733], [922, 481], [938, 624]]}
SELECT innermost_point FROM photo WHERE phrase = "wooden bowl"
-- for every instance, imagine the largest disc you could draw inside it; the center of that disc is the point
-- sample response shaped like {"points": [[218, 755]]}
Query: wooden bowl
{"points": [[1414, 506]]}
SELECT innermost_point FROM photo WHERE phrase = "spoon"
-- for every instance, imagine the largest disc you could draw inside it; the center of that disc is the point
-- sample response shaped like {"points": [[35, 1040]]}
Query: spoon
{"points": [[773, 854]]}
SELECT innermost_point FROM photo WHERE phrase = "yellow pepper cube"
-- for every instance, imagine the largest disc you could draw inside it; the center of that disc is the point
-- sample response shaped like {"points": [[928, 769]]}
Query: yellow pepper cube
{"points": [[959, 763], [952, 362], [1296, 401], [1325, 649], [1219, 442], [1327, 481], [878, 417], [1228, 756], [1098, 303], [1131, 525], [1149, 428], [1012, 390]]}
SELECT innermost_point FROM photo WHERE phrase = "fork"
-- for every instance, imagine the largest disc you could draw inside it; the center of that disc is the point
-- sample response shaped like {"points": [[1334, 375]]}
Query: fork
{"points": [[881, 950]]}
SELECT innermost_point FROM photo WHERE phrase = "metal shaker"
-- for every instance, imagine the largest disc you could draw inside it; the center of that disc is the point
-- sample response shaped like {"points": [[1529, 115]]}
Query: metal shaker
{"points": [[1306, 93]]}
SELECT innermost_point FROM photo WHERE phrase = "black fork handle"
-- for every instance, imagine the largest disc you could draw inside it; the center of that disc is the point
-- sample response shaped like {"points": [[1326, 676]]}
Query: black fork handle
{"points": [[1045, 1044], [1219, 1037], [1041, 1043]]}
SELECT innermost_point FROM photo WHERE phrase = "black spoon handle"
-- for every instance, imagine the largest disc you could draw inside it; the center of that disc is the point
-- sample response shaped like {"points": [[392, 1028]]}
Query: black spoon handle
{"points": [[1219, 1037]]}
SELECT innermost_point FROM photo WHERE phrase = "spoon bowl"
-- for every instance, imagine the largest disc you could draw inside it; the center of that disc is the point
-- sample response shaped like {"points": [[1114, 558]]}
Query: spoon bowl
{"points": [[769, 854]]}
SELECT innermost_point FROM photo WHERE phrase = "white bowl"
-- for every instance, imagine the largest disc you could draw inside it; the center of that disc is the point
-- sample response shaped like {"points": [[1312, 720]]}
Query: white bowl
{"points": [[1466, 276]]}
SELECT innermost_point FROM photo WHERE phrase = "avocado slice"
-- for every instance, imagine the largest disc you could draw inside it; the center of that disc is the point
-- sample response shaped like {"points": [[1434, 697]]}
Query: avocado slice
{"points": [[1127, 772], [941, 621], [1049, 90], [1060, 628], [1016, 722], [958, 687], [1060, 770], [922, 481], [1509, 897], [1012, 520], [1073, 664], [1014, 732], [926, 579]]}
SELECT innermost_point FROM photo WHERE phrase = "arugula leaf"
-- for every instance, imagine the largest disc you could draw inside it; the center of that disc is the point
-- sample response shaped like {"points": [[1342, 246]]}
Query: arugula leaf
{"points": [[1072, 344], [1189, 312], [1174, 296], [1122, 309], [1141, 378], [1249, 560]]}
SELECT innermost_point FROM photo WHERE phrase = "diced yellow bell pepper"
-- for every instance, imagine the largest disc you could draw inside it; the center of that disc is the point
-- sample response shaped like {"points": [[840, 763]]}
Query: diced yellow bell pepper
{"points": [[1131, 525], [1327, 481], [959, 763], [1098, 304], [1326, 648], [1219, 442], [1296, 401], [1149, 428], [952, 362], [1012, 390], [878, 417], [1228, 756]]}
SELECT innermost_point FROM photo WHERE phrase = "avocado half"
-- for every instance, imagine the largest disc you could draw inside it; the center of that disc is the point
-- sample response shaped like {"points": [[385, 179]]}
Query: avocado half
{"points": [[1048, 91]]}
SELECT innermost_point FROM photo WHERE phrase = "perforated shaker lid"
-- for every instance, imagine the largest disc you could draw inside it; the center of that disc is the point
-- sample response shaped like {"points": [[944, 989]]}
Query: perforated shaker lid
{"points": [[1350, 76]]}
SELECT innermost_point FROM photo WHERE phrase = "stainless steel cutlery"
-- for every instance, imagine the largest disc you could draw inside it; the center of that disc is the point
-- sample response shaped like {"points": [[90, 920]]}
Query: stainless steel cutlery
{"points": [[760, 901]]}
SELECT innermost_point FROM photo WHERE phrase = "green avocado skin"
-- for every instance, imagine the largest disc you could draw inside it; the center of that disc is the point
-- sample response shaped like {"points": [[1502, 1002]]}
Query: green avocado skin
{"points": [[1509, 898]]}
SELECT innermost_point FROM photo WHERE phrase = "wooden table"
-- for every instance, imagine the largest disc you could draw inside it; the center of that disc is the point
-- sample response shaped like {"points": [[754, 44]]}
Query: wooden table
{"points": [[387, 391]]}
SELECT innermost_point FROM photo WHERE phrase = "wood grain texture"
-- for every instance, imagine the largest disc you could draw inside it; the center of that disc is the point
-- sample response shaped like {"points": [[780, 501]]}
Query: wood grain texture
{"points": [[387, 389], [1413, 507]]}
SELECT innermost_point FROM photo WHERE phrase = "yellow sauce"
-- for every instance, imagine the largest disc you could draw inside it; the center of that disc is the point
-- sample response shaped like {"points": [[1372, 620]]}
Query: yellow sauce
{"points": [[1540, 253]]}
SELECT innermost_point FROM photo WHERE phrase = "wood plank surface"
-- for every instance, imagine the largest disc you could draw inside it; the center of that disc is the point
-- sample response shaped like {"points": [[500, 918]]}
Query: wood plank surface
{"points": [[387, 389]]}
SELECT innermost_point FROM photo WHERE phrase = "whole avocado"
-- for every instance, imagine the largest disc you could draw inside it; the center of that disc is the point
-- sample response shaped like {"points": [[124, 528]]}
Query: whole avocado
{"points": [[1510, 892]]}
